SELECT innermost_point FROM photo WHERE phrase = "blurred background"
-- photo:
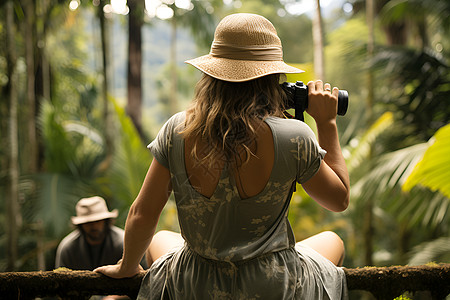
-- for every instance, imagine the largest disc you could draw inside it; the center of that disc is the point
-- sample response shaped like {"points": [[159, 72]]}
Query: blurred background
{"points": [[85, 85]]}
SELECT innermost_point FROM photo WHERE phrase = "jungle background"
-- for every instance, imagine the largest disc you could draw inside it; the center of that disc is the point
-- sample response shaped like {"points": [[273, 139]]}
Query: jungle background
{"points": [[86, 85]]}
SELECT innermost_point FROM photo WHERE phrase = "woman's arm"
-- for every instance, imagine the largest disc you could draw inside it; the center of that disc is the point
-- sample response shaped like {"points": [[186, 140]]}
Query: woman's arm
{"points": [[330, 186], [141, 221]]}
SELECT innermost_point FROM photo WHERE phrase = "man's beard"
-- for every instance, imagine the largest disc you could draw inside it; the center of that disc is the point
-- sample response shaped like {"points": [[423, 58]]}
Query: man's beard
{"points": [[96, 235]]}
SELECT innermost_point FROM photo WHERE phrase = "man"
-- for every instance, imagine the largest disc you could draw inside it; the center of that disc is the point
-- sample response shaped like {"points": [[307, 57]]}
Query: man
{"points": [[95, 242]]}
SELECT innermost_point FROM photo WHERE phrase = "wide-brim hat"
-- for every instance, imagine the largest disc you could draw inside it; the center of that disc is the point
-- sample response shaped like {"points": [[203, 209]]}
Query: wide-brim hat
{"points": [[92, 209], [245, 47]]}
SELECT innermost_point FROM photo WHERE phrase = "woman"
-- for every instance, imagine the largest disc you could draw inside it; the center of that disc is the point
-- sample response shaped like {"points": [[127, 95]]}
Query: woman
{"points": [[232, 161]]}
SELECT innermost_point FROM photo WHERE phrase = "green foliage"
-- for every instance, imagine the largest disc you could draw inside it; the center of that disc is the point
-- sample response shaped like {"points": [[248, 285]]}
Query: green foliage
{"points": [[345, 54], [72, 147], [359, 148], [421, 90], [435, 250], [432, 171], [402, 297], [436, 11], [129, 166], [295, 33], [73, 154], [56, 151], [387, 173]]}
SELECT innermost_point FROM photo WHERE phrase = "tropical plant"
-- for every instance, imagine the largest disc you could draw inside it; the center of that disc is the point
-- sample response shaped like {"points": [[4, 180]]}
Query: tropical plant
{"points": [[73, 155], [419, 209], [419, 98], [435, 250], [131, 160], [432, 171]]}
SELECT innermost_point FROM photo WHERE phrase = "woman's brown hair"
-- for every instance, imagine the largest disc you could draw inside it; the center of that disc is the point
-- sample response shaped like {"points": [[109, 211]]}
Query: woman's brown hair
{"points": [[225, 116]]}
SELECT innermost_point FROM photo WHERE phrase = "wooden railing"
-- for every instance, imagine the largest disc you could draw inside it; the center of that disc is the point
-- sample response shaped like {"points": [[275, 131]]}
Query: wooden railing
{"points": [[382, 282]]}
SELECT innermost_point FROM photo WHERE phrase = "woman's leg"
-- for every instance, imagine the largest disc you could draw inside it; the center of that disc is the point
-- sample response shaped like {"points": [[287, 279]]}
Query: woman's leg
{"points": [[329, 245], [162, 242]]}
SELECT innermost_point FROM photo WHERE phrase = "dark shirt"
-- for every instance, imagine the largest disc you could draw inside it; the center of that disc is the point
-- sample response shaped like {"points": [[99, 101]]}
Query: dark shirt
{"points": [[75, 253]]}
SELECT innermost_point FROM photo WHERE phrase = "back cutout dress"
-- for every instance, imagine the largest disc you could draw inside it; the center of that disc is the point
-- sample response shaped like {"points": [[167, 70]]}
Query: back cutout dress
{"points": [[242, 248]]}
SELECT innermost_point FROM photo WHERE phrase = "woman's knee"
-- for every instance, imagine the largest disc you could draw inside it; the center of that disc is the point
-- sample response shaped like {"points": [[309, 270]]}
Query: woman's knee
{"points": [[165, 240], [332, 236], [162, 242], [338, 245], [328, 244], [163, 235]]}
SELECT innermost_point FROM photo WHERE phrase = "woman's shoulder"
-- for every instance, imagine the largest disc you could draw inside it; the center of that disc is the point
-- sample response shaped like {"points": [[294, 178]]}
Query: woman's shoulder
{"points": [[290, 127], [173, 122], [177, 118]]}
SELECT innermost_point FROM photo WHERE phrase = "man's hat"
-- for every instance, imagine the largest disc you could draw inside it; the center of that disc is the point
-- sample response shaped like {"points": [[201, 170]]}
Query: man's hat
{"points": [[245, 47], [91, 210]]}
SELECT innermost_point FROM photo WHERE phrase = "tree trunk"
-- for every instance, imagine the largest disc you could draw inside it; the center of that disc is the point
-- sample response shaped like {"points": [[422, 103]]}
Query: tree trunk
{"points": [[32, 145], [12, 197], [404, 236], [105, 89], [319, 66], [44, 88], [368, 228], [134, 104]]}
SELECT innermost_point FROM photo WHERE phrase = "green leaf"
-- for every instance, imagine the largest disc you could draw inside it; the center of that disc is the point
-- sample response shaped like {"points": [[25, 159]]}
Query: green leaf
{"points": [[433, 171]]}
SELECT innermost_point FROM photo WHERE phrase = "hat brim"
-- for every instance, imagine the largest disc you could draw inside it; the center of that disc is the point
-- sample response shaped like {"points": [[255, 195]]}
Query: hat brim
{"points": [[239, 70], [95, 217]]}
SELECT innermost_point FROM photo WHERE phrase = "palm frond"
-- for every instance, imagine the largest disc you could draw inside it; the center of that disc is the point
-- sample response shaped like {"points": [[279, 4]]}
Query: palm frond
{"points": [[400, 9], [430, 251], [419, 207], [57, 151], [130, 163], [416, 207], [88, 147], [437, 10], [73, 154], [390, 169], [419, 98], [359, 148], [433, 170], [55, 201]]}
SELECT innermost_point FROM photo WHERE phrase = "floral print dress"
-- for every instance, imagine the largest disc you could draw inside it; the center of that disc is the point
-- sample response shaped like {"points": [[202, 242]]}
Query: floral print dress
{"points": [[242, 248]]}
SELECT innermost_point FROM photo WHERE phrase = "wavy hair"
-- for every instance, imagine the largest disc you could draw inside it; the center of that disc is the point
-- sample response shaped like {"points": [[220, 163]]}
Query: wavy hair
{"points": [[225, 115]]}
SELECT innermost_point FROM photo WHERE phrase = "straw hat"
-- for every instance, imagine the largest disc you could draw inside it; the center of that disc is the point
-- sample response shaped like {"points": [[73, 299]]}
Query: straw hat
{"points": [[245, 47], [91, 210]]}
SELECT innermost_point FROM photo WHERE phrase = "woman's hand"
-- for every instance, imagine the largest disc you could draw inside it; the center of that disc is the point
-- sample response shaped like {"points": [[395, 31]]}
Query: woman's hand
{"points": [[117, 271], [322, 101]]}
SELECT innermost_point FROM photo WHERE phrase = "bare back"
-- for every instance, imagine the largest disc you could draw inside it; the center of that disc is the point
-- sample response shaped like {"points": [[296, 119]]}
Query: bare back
{"points": [[251, 177]]}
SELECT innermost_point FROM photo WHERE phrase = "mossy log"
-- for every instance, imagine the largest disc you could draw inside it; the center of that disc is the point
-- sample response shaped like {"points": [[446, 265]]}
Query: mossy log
{"points": [[66, 284], [391, 282], [382, 282]]}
